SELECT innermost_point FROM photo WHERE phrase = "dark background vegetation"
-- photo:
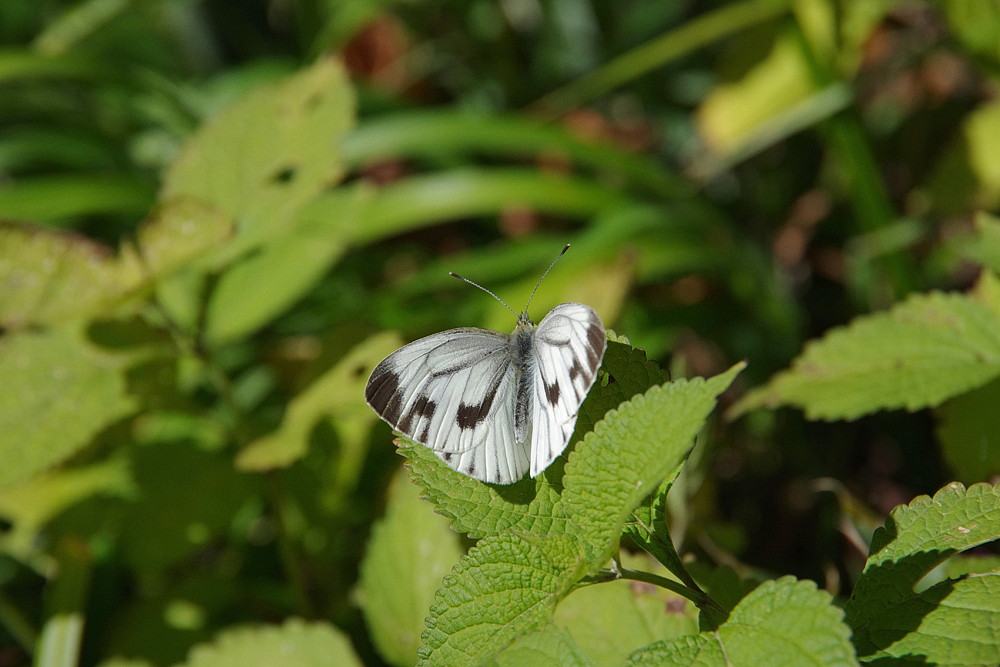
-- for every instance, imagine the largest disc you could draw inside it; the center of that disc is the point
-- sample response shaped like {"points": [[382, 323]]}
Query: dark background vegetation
{"points": [[835, 191]]}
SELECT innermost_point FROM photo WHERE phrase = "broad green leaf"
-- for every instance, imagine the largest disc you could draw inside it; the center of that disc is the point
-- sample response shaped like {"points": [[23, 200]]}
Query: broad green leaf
{"points": [[886, 614], [609, 621], [631, 374], [781, 622], [57, 392], [549, 647], [630, 452], [178, 233], [261, 159], [171, 518], [732, 112], [923, 351], [333, 394], [296, 643], [478, 509], [506, 586], [30, 504], [530, 505], [410, 551], [47, 276], [969, 431], [264, 284]]}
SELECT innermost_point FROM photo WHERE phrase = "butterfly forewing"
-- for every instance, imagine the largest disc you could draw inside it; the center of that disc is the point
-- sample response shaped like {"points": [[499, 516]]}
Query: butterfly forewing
{"points": [[569, 347], [453, 391]]}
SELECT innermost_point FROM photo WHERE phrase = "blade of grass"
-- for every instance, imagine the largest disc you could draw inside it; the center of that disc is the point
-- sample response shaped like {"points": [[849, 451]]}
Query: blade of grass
{"points": [[689, 37]]}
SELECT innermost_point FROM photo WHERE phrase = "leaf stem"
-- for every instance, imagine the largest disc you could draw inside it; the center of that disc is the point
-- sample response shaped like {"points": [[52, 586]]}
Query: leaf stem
{"points": [[617, 572]]}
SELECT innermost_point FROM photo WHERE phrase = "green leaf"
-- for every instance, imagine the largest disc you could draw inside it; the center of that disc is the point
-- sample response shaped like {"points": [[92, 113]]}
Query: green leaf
{"points": [[58, 392], [178, 233], [507, 586], [261, 159], [169, 520], [296, 643], [954, 621], [47, 277], [480, 510], [609, 621], [410, 551], [264, 284], [630, 452], [632, 374], [782, 622], [530, 505], [969, 431], [549, 647], [30, 504], [927, 349], [333, 394]]}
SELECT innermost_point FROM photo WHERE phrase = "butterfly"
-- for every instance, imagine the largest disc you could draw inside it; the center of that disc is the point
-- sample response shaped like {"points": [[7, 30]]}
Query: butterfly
{"points": [[493, 405]]}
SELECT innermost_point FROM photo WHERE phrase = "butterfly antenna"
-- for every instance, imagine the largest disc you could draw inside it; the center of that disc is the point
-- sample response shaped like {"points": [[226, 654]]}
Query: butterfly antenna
{"points": [[466, 280], [543, 278]]}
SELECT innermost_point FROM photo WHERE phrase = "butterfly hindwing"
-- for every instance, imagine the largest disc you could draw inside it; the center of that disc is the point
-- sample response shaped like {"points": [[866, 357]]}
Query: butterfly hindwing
{"points": [[569, 347], [453, 392]]}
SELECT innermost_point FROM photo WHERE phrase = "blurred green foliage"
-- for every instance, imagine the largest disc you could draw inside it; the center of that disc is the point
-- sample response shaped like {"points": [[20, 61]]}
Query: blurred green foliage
{"points": [[215, 219]]}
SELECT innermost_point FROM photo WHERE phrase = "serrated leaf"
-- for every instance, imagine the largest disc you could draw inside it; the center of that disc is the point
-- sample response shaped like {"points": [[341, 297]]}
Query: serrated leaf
{"points": [[927, 349], [178, 233], [781, 622], [549, 647], [478, 509], [889, 619], [57, 392], [609, 621], [333, 394], [506, 586], [969, 431], [296, 643], [630, 452], [530, 505], [411, 549], [631, 372], [47, 277], [268, 154]]}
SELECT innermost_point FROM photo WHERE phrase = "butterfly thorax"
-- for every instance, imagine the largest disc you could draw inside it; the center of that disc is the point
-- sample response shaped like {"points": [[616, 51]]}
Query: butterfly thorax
{"points": [[522, 343]]}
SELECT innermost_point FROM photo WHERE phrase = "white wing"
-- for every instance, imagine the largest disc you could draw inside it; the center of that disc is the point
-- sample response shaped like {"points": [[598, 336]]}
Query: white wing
{"points": [[569, 346], [454, 392]]}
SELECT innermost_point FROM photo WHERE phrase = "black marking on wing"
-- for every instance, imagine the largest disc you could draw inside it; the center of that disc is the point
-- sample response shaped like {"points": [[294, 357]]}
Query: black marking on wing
{"points": [[382, 393], [597, 342], [468, 416], [422, 407], [552, 392], [447, 457]]}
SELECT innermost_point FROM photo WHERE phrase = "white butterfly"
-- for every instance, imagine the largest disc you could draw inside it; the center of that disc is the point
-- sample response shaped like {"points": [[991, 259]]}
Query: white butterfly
{"points": [[493, 405]]}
